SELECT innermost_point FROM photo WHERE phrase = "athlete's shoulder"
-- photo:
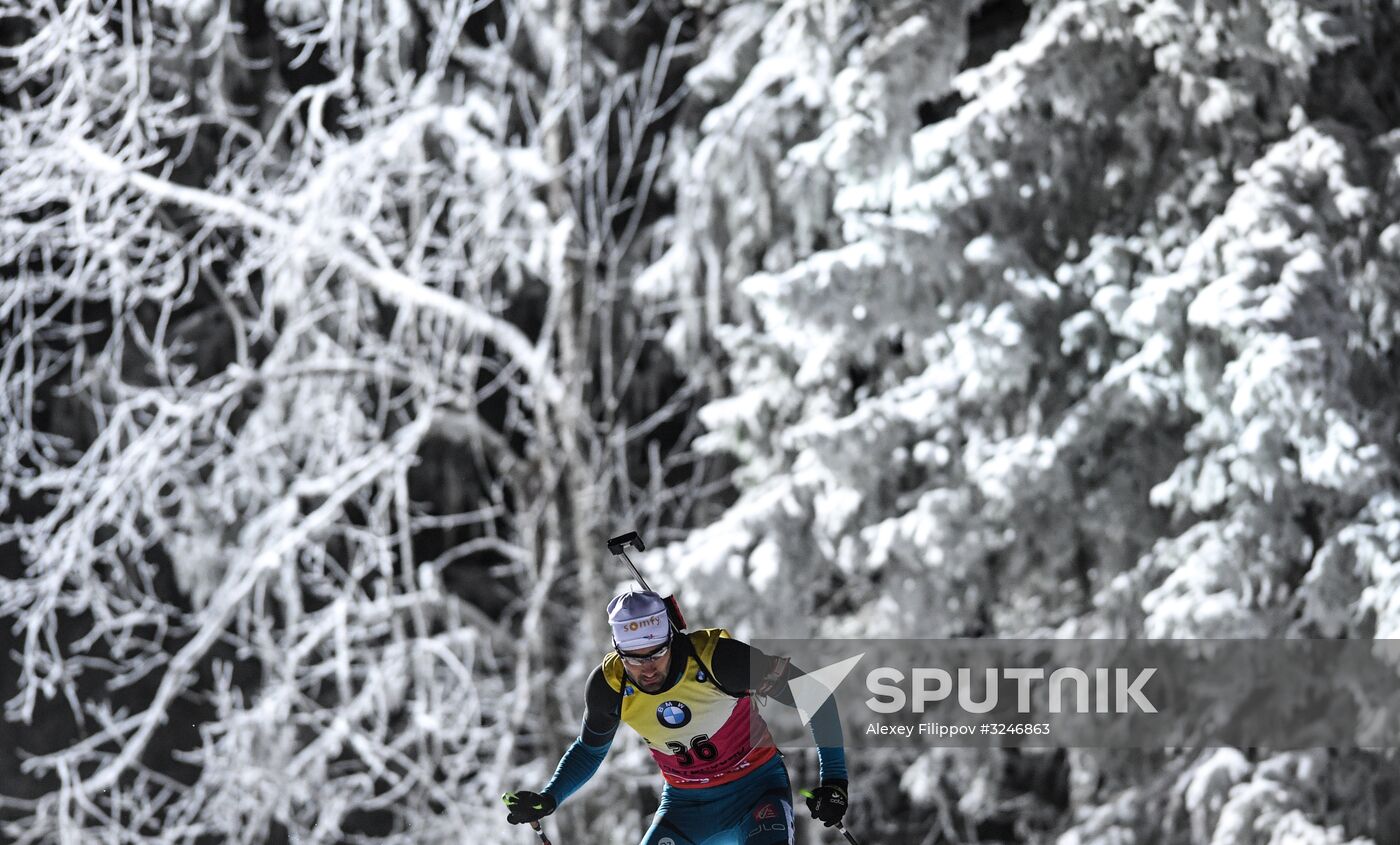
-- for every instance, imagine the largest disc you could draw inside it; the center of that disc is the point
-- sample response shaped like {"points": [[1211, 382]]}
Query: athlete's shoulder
{"points": [[611, 670], [703, 640]]}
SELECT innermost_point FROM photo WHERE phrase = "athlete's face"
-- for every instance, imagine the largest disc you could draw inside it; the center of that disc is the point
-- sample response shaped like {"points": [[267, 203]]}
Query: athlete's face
{"points": [[648, 668]]}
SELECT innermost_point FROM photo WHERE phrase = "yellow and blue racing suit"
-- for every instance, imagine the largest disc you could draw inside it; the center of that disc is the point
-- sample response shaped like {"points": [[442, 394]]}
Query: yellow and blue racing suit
{"points": [[725, 779]]}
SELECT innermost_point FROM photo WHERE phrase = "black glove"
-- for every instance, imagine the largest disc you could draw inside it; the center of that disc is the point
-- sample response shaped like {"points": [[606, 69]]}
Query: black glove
{"points": [[828, 802], [528, 807]]}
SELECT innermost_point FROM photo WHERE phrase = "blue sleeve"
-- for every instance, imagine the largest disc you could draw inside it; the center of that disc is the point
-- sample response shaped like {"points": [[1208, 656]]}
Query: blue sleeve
{"points": [[602, 714], [577, 765], [831, 753]]}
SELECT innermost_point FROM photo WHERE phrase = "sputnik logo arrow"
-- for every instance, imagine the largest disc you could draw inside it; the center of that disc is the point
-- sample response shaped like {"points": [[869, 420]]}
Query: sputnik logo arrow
{"points": [[810, 691]]}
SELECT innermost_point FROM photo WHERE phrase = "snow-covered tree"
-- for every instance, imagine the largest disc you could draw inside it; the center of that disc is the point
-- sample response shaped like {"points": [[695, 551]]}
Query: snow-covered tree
{"points": [[1104, 349], [335, 338], [320, 390]]}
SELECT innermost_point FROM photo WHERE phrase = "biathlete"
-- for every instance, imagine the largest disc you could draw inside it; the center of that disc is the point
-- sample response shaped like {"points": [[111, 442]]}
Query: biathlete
{"points": [[691, 697]]}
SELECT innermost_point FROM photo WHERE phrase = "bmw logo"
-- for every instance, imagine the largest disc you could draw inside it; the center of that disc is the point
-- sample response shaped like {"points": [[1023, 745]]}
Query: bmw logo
{"points": [[673, 714]]}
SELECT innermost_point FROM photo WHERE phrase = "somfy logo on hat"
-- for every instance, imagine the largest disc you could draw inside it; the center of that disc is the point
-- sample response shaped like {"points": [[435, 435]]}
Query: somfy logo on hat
{"points": [[638, 620]]}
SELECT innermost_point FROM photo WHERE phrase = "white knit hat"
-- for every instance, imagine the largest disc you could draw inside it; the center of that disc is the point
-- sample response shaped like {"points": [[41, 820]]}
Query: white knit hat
{"points": [[638, 621]]}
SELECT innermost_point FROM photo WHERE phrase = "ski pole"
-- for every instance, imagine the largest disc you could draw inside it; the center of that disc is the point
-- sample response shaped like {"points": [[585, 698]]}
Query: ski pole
{"points": [[539, 831], [807, 793]]}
